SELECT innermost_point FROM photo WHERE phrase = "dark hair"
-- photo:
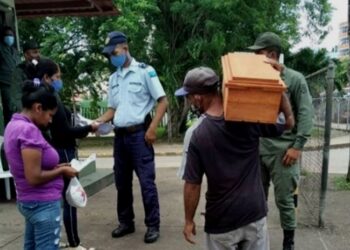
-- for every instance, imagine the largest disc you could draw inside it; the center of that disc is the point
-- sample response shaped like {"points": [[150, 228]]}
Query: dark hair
{"points": [[4, 29], [42, 67], [36, 92], [274, 49]]}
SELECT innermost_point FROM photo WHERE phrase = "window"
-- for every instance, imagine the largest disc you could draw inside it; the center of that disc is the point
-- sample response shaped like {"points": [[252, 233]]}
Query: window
{"points": [[344, 52], [344, 40], [344, 29]]}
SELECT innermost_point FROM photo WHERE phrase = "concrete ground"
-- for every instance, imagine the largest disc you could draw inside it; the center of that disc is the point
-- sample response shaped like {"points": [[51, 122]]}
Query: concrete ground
{"points": [[98, 219]]}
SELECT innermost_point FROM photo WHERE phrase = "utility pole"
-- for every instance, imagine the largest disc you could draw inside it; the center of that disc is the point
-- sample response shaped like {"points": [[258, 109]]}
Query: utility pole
{"points": [[348, 174]]}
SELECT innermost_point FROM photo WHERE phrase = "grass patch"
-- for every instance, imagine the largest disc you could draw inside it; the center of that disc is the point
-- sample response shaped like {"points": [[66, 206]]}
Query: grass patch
{"points": [[304, 173], [318, 132], [340, 183]]}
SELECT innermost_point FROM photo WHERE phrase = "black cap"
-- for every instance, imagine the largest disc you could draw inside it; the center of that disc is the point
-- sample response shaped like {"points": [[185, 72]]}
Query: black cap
{"points": [[114, 38], [200, 80], [31, 44]]}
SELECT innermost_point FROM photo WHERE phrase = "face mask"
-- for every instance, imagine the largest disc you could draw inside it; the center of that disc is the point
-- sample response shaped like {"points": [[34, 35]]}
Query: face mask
{"points": [[9, 40], [119, 60], [57, 85]]}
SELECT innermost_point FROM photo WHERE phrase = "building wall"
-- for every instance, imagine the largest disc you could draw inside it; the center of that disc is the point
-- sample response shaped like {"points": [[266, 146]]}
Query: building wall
{"points": [[343, 43]]}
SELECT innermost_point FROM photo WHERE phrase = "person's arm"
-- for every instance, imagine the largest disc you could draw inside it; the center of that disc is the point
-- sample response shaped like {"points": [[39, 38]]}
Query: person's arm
{"points": [[61, 127], [34, 173], [150, 135], [107, 116], [286, 109], [274, 130], [191, 200], [157, 92], [303, 112]]}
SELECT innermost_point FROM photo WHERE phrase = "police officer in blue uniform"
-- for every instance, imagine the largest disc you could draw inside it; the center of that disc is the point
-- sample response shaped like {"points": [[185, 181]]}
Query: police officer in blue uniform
{"points": [[134, 88]]}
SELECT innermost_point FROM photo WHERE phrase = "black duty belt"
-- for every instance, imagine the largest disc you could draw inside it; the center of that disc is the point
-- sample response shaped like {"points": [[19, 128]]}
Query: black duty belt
{"points": [[130, 129]]}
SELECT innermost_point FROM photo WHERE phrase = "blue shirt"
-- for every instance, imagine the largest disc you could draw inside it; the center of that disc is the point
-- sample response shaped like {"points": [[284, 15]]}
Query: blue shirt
{"points": [[132, 92]]}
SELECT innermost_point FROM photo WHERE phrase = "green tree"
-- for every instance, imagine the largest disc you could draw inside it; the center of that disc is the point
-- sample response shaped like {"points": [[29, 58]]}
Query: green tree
{"points": [[191, 33], [308, 61], [341, 73], [171, 35]]}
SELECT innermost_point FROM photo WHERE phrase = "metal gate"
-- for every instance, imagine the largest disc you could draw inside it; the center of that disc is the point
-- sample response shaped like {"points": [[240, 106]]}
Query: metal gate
{"points": [[315, 158]]}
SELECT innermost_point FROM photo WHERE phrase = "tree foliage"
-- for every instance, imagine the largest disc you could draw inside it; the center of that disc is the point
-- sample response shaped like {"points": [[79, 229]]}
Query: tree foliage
{"points": [[341, 74], [171, 35], [308, 61]]}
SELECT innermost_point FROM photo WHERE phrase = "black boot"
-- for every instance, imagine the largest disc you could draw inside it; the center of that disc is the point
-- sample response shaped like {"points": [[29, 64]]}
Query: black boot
{"points": [[288, 240], [123, 229], [151, 235]]}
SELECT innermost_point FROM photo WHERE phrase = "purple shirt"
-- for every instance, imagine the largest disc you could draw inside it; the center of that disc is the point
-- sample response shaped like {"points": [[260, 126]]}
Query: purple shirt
{"points": [[20, 134]]}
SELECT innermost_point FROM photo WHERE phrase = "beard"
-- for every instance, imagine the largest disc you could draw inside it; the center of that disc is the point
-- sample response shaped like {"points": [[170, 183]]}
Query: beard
{"points": [[196, 111]]}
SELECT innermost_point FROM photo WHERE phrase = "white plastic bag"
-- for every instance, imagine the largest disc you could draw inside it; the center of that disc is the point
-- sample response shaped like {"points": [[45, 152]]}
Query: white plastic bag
{"points": [[75, 194], [80, 165]]}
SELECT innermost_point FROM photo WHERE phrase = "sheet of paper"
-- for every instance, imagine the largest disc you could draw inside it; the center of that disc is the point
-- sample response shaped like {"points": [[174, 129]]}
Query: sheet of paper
{"points": [[105, 128], [80, 165]]}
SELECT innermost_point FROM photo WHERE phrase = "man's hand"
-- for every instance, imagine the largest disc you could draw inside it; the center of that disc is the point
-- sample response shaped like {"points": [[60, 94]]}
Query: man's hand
{"points": [[150, 136], [291, 156], [94, 126], [276, 65], [189, 230]]}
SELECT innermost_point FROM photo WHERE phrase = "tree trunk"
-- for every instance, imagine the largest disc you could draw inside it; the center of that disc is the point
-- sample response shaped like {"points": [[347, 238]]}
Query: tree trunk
{"points": [[173, 123], [177, 116]]}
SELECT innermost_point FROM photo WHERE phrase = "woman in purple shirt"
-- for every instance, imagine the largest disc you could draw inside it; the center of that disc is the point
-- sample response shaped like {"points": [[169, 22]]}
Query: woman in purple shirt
{"points": [[35, 169]]}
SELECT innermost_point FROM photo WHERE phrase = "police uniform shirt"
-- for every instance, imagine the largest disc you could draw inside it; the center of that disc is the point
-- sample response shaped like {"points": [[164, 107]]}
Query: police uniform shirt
{"points": [[132, 92]]}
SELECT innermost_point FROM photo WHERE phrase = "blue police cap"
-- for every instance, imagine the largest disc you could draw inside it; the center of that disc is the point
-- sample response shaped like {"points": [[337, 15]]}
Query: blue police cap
{"points": [[114, 38]]}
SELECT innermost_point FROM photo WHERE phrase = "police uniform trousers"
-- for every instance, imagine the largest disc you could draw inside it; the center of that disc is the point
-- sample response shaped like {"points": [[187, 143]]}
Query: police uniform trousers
{"points": [[131, 152], [285, 181]]}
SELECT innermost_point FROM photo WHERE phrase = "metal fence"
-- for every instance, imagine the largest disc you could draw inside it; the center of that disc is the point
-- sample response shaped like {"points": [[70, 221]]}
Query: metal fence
{"points": [[315, 158], [88, 112]]}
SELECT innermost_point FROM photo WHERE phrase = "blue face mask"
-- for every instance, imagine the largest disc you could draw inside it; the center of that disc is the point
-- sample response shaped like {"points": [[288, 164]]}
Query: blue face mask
{"points": [[118, 61], [9, 40], [57, 85]]}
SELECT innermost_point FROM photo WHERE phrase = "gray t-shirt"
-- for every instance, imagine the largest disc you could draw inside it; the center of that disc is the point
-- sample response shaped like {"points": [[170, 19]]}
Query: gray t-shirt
{"points": [[227, 153], [188, 135]]}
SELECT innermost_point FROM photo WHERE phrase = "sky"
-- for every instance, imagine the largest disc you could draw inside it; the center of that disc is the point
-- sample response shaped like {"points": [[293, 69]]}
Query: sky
{"points": [[340, 14]]}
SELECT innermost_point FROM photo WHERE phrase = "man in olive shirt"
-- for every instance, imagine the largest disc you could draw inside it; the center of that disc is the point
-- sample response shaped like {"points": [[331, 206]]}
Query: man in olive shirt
{"points": [[280, 156], [8, 60]]}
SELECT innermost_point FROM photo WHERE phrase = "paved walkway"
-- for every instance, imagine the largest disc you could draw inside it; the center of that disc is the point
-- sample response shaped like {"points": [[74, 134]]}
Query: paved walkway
{"points": [[166, 149], [98, 219], [160, 149]]}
